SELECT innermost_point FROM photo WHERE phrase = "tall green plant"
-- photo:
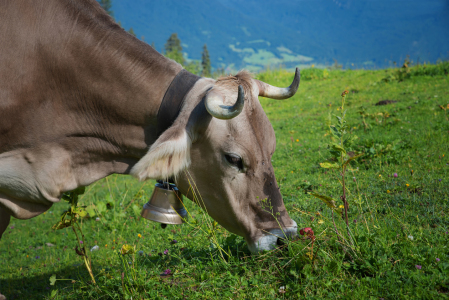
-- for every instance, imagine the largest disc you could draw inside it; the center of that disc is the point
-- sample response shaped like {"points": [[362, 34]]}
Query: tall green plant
{"points": [[341, 140], [70, 219]]}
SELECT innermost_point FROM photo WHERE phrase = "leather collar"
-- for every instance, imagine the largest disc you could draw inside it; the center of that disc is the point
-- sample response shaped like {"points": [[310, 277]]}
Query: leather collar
{"points": [[173, 100]]}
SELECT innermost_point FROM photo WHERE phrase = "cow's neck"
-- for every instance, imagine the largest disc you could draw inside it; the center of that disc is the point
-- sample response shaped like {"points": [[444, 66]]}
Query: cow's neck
{"points": [[94, 91], [124, 80]]}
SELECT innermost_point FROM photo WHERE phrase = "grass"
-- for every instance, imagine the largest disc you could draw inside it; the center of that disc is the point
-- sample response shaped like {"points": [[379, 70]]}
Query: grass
{"points": [[400, 224]]}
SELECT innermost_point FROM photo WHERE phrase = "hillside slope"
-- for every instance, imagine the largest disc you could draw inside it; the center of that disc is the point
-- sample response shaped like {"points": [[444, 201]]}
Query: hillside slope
{"points": [[257, 34]]}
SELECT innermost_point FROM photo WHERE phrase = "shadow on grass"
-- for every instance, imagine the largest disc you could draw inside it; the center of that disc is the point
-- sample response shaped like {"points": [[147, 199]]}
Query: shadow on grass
{"points": [[38, 286]]}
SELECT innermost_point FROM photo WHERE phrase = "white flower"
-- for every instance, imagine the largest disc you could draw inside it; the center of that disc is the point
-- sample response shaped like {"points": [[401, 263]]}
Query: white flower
{"points": [[94, 248], [410, 237], [97, 219]]}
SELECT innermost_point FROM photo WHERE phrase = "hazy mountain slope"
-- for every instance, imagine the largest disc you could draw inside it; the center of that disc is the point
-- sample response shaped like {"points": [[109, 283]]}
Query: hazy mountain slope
{"points": [[257, 33]]}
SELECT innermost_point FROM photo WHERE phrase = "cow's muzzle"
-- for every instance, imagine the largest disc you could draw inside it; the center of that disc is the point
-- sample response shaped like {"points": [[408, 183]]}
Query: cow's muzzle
{"points": [[273, 238]]}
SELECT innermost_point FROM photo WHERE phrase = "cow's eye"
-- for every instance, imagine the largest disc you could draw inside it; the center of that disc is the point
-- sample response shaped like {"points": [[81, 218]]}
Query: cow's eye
{"points": [[234, 160]]}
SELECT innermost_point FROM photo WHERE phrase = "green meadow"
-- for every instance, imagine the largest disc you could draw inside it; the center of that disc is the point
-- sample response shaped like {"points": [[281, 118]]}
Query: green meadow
{"points": [[398, 195]]}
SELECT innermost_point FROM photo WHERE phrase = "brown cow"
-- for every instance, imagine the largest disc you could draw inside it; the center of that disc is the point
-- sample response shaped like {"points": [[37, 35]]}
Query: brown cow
{"points": [[80, 100]]}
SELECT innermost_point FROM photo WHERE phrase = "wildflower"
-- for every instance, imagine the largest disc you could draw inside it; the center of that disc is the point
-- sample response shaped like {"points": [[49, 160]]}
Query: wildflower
{"points": [[437, 259], [37, 257], [418, 267], [395, 175], [139, 235], [81, 242], [388, 191], [341, 206], [380, 175], [12, 227], [97, 219], [94, 248], [128, 249], [297, 140], [282, 289], [306, 230], [140, 253], [27, 256], [320, 222], [355, 221], [166, 251], [106, 245], [313, 65], [345, 92], [439, 180], [410, 237], [173, 242], [167, 272], [407, 184]]}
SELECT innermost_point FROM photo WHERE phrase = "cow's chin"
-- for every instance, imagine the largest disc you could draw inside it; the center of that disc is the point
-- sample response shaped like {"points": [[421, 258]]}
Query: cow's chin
{"points": [[273, 238]]}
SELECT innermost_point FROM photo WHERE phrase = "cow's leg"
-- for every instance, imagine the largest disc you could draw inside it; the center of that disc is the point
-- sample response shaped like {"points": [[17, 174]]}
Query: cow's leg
{"points": [[4, 221]]}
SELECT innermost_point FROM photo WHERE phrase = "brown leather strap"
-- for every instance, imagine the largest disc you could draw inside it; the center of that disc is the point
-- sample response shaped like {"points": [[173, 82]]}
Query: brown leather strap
{"points": [[174, 99]]}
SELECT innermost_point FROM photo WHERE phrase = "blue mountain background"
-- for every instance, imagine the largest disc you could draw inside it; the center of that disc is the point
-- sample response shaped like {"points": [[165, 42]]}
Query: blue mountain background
{"points": [[257, 34]]}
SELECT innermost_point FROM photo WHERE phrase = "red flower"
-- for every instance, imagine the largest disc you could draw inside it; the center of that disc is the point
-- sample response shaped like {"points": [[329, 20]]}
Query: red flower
{"points": [[306, 230]]}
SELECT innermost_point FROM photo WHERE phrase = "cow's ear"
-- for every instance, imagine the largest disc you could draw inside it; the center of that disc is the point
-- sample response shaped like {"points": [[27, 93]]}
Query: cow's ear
{"points": [[167, 157]]}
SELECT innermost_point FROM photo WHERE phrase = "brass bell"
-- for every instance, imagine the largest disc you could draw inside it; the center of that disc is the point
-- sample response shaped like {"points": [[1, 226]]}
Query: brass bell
{"points": [[165, 205]]}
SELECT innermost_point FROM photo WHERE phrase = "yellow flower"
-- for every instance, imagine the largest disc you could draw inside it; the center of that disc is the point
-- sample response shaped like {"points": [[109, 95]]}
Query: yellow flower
{"points": [[292, 172], [313, 65], [320, 222], [27, 255], [139, 235], [388, 191], [298, 141], [407, 184], [341, 206], [380, 175], [106, 245], [355, 127], [128, 249]]}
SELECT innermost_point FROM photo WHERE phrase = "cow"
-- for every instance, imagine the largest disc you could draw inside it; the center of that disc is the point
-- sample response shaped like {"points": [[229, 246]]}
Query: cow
{"points": [[80, 99]]}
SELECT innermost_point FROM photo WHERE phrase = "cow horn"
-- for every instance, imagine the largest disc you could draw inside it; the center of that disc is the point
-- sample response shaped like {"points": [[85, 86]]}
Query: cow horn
{"points": [[269, 91], [214, 105]]}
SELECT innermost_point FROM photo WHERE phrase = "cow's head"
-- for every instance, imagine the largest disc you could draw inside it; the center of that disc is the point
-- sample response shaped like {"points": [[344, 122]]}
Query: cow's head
{"points": [[222, 144]]}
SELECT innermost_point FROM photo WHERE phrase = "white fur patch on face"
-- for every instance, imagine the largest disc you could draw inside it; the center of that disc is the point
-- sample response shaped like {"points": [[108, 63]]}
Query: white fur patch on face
{"points": [[166, 158], [268, 242]]}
